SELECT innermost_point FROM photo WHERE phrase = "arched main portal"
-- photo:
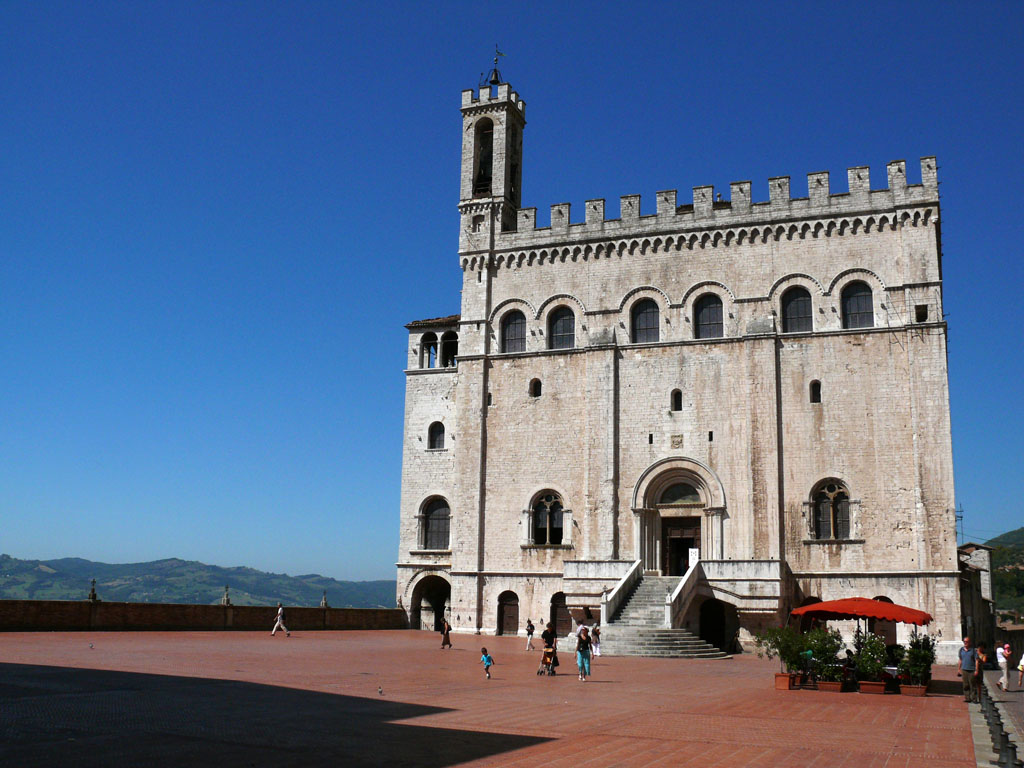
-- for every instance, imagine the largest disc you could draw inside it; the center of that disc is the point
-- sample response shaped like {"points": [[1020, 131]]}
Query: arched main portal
{"points": [[508, 613], [430, 600], [719, 624], [678, 507]]}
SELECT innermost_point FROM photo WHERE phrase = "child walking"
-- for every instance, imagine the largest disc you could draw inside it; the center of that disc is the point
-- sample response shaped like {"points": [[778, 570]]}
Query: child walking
{"points": [[488, 661]]}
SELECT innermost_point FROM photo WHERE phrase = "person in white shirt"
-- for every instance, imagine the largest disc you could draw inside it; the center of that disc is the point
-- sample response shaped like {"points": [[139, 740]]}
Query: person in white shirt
{"points": [[1002, 661], [280, 622]]}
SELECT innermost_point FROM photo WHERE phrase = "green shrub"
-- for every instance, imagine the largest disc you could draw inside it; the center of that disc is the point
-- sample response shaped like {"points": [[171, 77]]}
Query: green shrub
{"points": [[870, 657], [916, 664], [825, 645], [786, 643]]}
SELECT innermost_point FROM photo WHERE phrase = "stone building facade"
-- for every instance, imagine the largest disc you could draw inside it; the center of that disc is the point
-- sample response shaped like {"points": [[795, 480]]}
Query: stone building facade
{"points": [[759, 388]]}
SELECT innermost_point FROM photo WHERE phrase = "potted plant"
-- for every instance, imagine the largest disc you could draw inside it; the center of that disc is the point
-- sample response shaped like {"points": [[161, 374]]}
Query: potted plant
{"points": [[916, 665], [870, 663], [785, 643], [825, 645]]}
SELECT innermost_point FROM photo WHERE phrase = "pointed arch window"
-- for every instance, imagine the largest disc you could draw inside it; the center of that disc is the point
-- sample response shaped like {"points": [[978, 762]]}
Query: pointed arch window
{"points": [[435, 525], [644, 321], [858, 310], [796, 311], [831, 503], [707, 317], [562, 329], [513, 332], [546, 518]]}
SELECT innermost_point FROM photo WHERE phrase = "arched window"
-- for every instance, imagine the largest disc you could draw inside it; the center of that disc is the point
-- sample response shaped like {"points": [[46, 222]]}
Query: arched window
{"points": [[677, 400], [680, 493], [435, 436], [449, 349], [831, 511], [815, 391], [707, 317], [858, 311], [562, 329], [428, 350], [796, 311], [435, 521], [535, 388], [484, 157], [546, 518], [645, 321], [513, 332]]}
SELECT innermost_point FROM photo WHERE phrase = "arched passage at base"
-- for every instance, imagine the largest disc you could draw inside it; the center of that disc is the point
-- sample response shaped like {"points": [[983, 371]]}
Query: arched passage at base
{"points": [[719, 624], [508, 613], [561, 619], [430, 598]]}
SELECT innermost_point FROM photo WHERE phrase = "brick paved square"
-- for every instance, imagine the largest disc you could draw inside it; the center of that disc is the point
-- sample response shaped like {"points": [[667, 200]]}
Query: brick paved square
{"points": [[247, 699]]}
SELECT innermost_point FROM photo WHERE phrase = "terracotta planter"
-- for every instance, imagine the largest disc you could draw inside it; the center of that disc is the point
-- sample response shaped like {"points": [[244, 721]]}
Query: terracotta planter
{"points": [[913, 690], [834, 686], [872, 686], [784, 681]]}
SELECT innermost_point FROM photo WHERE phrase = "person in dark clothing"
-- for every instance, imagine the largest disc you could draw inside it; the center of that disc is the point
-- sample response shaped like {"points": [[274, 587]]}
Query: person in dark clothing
{"points": [[446, 634]]}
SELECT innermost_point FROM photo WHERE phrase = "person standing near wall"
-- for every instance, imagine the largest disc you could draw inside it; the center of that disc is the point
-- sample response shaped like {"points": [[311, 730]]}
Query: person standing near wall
{"points": [[968, 667], [1002, 661], [529, 634], [279, 624]]}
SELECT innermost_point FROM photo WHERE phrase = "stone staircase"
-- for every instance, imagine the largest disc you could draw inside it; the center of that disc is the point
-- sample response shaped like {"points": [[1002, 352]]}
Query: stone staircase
{"points": [[639, 627]]}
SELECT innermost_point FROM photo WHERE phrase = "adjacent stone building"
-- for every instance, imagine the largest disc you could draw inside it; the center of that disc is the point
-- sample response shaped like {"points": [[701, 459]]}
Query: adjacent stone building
{"points": [[748, 397]]}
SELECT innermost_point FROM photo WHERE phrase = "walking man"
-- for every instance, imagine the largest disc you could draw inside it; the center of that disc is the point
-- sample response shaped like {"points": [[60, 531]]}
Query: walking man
{"points": [[529, 634], [280, 622], [968, 668]]}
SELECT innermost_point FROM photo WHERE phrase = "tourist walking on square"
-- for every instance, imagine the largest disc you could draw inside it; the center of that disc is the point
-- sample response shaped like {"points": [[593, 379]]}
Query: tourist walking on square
{"points": [[446, 634], [487, 660], [595, 638], [583, 648], [967, 668], [1002, 652], [279, 624], [529, 634]]}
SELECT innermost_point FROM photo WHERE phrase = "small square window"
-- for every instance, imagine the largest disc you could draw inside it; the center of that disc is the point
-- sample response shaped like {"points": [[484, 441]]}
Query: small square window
{"points": [[921, 313]]}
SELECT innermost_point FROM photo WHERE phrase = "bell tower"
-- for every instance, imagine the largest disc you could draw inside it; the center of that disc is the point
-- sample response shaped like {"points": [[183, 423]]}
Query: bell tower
{"points": [[492, 161]]}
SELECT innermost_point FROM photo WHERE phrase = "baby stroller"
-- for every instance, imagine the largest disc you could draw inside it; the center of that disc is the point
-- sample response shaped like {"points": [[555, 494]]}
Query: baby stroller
{"points": [[548, 662]]}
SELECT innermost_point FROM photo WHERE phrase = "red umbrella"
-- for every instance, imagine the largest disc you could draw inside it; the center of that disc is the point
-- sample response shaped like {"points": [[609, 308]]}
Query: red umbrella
{"points": [[863, 608]]}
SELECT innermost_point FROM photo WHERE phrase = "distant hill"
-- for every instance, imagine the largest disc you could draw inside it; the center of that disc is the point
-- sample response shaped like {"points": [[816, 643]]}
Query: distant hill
{"points": [[1008, 570], [1009, 539], [181, 581]]}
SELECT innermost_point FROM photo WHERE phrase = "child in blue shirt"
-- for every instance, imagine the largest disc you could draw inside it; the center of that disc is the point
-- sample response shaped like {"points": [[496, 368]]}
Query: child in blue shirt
{"points": [[487, 660]]}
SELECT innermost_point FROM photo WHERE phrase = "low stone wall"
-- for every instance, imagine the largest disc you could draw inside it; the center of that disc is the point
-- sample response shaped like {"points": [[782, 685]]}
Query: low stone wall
{"points": [[78, 615]]}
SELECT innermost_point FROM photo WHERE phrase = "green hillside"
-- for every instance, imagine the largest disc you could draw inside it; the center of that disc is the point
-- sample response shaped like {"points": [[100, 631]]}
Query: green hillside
{"points": [[1008, 570], [181, 581]]}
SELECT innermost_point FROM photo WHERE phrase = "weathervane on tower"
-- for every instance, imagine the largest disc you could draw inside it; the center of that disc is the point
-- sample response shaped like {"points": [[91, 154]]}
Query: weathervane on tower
{"points": [[494, 78]]}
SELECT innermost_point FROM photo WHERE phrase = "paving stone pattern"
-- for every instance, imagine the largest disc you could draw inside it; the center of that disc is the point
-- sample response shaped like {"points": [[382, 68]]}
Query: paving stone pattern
{"points": [[246, 699]]}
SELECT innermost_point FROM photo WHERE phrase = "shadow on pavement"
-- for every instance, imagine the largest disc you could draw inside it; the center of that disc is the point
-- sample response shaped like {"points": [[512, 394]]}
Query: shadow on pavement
{"points": [[54, 716]]}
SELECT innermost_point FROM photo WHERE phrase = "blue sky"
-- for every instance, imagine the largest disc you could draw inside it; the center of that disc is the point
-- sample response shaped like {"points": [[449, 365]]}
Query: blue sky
{"points": [[215, 219]]}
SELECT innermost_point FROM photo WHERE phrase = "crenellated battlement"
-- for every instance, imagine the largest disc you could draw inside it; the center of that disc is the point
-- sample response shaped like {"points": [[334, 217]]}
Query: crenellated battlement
{"points": [[705, 211], [504, 93]]}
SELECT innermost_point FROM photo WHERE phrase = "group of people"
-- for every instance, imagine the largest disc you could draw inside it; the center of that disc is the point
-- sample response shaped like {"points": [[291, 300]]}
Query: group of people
{"points": [[588, 645], [972, 662]]}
